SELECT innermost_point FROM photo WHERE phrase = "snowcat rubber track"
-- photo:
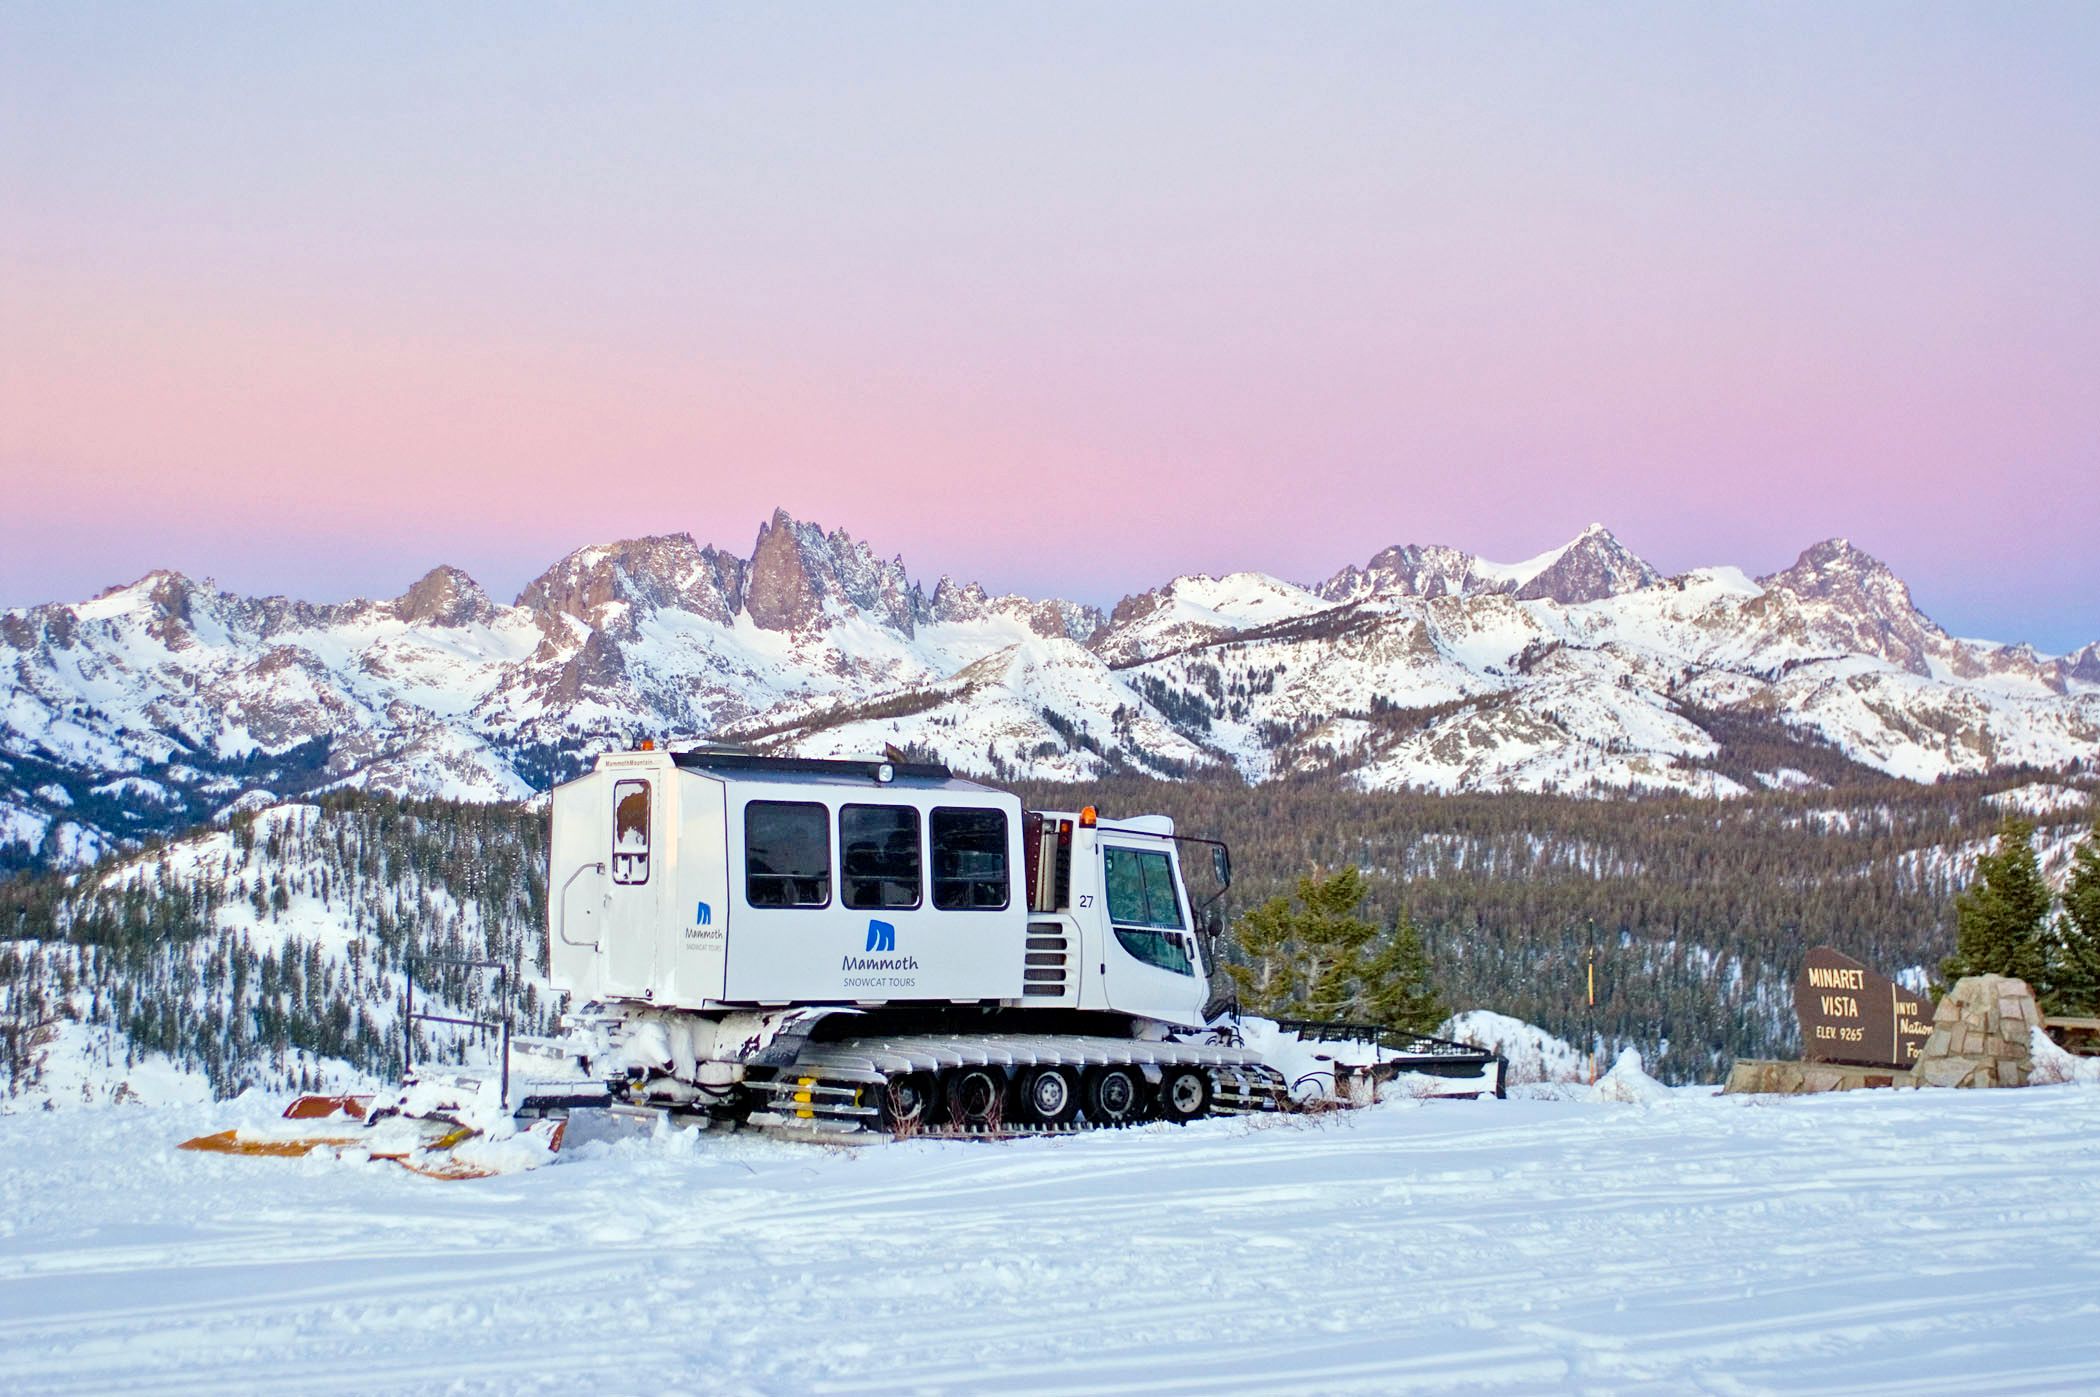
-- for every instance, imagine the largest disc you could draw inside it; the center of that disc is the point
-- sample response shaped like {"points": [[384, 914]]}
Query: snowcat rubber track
{"points": [[828, 1092]]}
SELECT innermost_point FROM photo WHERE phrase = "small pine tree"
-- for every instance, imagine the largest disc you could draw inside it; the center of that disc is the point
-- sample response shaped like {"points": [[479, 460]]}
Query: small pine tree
{"points": [[1999, 918], [2074, 970], [1397, 990], [1334, 938], [1304, 960], [1266, 973]]}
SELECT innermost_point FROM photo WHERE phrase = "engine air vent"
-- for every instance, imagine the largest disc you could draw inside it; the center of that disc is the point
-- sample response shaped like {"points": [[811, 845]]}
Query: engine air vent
{"points": [[1046, 969]]}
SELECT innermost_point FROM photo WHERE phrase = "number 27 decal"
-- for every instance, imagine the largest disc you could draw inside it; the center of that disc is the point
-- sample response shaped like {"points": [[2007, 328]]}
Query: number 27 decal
{"points": [[1086, 899]]}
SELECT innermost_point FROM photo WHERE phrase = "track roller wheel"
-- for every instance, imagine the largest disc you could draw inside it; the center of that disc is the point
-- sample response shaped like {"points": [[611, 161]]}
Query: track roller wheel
{"points": [[1114, 1096], [1184, 1093], [1048, 1095], [907, 1103], [976, 1096]]}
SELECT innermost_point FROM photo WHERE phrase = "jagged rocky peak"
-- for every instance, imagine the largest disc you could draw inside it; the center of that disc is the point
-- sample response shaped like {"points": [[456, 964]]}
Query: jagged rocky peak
{"points": [[662, 571], [1595, 565], [1854, 602], [162, 600], [797, 572], [161, 593], [1835, 571], [1403, 570], [1135, 608], [1054, 619], [2084, 664], [957, 601], [1590, 567], [796, 568], [445, 596]]}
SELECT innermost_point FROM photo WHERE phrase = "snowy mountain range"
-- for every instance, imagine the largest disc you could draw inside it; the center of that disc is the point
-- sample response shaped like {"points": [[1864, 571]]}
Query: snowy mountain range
{"points": [[166, 700]]}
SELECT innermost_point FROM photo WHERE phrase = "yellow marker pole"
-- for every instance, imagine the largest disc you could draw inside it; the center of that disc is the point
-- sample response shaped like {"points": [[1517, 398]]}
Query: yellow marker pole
{"points": [[1592, 966]]}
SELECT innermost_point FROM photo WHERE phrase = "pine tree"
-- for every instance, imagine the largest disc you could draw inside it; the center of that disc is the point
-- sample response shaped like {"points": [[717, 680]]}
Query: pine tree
{"points": [[1304, 960], [2074, 971], [1999, 917], [1397, 990]]}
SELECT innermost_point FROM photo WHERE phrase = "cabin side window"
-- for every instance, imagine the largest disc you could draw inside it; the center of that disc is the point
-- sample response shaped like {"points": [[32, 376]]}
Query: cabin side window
{"points": [[787, 854], [630, 851], [969, 859], [879, 856]]}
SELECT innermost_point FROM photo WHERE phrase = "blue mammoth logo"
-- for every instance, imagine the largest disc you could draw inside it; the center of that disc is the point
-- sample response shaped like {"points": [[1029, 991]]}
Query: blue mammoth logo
{"points": [[704, 915], [881, 936]]}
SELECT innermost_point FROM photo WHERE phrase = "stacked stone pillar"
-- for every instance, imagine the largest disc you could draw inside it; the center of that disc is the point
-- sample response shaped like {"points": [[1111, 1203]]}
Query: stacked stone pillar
{"points": [[1982, 1036]]}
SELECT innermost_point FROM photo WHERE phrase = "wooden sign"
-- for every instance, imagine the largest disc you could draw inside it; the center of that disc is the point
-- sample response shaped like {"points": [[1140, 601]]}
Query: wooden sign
{"points": [[1850, 1014]]}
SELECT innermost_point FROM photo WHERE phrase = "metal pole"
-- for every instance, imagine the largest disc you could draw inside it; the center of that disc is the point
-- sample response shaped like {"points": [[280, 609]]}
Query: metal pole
{"points": [[503, 979], [408, 1017], [1592, 966]]}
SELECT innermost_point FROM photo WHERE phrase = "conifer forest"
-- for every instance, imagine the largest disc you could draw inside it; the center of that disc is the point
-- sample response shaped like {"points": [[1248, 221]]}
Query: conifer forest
{"points": [[260, 951]]}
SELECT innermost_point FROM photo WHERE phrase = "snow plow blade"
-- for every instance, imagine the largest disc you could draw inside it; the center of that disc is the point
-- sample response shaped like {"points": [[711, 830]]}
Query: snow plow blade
{"points": [[436, 1147], [313, 1108]]}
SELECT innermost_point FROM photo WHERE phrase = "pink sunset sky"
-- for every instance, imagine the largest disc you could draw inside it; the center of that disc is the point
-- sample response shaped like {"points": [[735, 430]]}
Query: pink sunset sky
{"points": [[311, 298]]}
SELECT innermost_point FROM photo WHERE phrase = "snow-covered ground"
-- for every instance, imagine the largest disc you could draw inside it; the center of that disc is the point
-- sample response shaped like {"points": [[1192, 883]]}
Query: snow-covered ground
{"points": [[1924, 1242]]}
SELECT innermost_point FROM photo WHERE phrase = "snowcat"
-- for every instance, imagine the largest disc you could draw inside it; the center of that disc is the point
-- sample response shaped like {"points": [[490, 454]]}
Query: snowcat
{"points": [[847, 949]]}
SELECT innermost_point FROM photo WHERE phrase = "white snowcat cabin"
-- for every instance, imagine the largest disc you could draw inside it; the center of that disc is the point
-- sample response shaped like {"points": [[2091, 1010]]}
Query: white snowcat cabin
{"points": [[711, 881], [699, 880]]}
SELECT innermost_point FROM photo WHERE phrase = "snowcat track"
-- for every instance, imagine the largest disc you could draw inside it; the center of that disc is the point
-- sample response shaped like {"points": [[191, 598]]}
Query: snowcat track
{"points": [[828, 1093]]}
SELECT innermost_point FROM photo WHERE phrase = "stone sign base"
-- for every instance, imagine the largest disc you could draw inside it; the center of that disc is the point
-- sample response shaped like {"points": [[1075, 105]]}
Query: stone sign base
{"points": [[1982, 1036], [1771, 1078]]}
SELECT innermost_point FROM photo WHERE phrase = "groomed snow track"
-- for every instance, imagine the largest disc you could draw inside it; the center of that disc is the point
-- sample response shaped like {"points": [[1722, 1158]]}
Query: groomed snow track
{"points": [[865, 1088]]}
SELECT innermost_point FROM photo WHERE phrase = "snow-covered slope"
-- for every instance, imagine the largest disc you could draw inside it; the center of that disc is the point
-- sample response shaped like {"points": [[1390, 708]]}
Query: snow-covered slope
{"points": [[270, 954], [167, 700], [1534, 1056], [1192, 610], [1867, 1242]]}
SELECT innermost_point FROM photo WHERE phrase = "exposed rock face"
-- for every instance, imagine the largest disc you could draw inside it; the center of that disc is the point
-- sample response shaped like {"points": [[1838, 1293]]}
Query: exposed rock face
{"points": [[1135, 608], [664, 571], [169, 595], [1405, 570], [1053, 619], [2084, 664], [796, 567], [445, 596], [1593, 567], [780, 594], [1854, 604], [1982, 1035], [597, 668], [1835, 571]]}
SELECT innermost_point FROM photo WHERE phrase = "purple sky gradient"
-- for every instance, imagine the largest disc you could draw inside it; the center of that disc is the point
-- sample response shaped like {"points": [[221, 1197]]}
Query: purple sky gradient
{"points": [[1055, 298]]}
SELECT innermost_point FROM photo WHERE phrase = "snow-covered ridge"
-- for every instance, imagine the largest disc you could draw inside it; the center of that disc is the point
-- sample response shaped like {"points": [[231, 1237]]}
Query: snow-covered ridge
{"points": [[167, 700], [270, 954]]}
